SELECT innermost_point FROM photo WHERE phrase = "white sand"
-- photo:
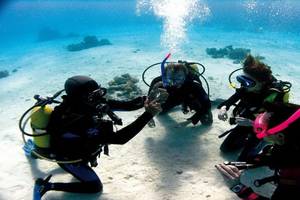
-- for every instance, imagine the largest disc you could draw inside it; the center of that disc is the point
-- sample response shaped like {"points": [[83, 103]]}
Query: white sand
{"points": [[169, 162]]}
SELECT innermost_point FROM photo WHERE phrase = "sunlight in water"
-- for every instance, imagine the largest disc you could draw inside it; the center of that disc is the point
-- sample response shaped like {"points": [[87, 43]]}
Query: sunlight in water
{"points": [[251, 4], [176, 16]]}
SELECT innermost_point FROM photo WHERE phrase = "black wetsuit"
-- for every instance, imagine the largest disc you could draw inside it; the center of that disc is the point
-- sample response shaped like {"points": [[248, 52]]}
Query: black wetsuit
{"points": [[75, 133], [190, 94], [249, 104], [285, 161]]}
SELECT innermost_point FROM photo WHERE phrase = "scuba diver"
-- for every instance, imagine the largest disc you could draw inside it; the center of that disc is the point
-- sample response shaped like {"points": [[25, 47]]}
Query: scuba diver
{"points": [[258, 85], [279, 126], [182, 82], [78, 130]]}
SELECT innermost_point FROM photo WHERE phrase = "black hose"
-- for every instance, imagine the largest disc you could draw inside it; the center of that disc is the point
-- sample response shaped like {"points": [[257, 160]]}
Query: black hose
{"points": [[40, 102], [144, 72], [230, 75]]}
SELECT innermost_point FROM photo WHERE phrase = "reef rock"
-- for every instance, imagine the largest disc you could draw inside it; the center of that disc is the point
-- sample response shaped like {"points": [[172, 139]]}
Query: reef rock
{"points": [[235, 54], [124, 87], [4, 74], [88, 42]]}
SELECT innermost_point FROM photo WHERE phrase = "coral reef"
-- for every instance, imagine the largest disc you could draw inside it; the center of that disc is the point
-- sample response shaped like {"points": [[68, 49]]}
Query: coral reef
{"points": [[124, 87], [88, 42], [4, 74], [235, 54]]}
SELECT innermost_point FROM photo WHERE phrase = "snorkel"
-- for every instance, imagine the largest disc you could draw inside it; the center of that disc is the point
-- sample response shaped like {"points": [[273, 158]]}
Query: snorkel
{"points": [[163, 71], [261, 124]]}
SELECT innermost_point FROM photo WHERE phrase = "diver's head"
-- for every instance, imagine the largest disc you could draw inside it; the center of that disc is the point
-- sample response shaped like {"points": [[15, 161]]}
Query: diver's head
{"points": [[176, 74], [257, 75], [280, 124], [83, 89]]}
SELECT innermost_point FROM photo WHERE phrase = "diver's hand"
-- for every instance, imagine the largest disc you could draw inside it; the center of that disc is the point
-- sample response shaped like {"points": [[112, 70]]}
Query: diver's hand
{"points": [[229, 171], [152, 107], [241, 121], [222, 115]]}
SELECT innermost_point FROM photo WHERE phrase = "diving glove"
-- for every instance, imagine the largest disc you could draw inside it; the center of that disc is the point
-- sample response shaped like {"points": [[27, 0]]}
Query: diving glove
{"points": [[222, 115]]}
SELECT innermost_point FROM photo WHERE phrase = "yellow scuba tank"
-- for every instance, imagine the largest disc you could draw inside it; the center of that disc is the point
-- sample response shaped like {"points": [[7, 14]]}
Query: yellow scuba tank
{"points": [[286, 97], [39, 120], [194, 69]]}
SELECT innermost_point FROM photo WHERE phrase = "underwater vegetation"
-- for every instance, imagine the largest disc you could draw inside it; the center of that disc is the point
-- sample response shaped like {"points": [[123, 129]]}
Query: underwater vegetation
{"points": [[88, 42], [48, 34], [124, 87], [235, 54]]}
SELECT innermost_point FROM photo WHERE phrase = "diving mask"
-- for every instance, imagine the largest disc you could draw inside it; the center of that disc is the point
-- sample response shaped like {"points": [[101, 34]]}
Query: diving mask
{"points": [[261, 124], [245, 81], [97, 94], [175, 79]]}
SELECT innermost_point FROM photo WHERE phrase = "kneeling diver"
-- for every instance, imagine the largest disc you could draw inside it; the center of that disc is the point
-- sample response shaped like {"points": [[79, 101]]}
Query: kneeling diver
{"points": [[78, 130], [181, 80]]}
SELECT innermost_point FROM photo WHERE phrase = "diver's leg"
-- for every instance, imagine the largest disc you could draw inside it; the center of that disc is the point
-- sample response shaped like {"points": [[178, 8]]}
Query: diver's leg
{"points": [[89, 181]]}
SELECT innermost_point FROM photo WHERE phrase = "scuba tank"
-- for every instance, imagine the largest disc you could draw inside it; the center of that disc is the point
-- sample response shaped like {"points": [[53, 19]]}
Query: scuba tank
{"points": [[39, 120], [281, 88]]}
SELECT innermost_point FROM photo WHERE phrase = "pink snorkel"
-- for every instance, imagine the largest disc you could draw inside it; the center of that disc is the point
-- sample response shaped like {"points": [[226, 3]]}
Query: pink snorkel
{"points": [[261, 124]]}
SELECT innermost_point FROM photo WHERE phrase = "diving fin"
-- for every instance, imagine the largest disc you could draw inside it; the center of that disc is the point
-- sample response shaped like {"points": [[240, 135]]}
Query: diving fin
{"points": [[40, 187]]}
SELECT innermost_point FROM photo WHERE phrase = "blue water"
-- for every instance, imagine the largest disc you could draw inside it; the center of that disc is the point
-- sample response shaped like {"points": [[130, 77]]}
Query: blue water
{"points": [[20, 21], [142, 32], [185, 28]]}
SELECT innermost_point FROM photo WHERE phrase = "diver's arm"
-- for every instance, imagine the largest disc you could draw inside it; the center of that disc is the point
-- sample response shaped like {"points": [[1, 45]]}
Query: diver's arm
{"points": [[277, 157], [127, 133], [232, 100], [199, 101], [134, 104]]}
